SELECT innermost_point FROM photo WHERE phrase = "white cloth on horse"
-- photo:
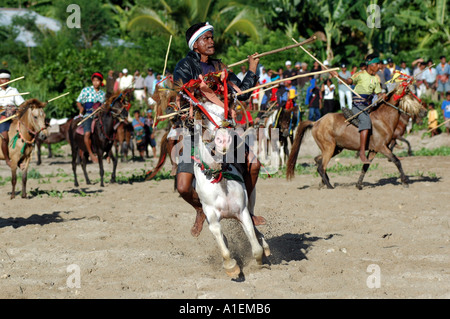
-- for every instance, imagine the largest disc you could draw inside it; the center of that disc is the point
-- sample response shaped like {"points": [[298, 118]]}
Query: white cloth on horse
{"points": [[58, 121]]}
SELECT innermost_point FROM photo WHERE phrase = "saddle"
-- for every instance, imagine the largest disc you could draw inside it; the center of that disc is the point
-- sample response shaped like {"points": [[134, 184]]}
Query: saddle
{"points": [[348, 114]]}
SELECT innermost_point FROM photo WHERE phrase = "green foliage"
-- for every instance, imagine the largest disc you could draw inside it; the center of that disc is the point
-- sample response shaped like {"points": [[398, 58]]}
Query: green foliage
{"points": [[64, 61]]}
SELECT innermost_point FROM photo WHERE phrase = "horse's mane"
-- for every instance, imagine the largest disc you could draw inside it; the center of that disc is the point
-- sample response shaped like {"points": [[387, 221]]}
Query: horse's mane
{"points": [[116, 95], [33, 103], [408, 102]]}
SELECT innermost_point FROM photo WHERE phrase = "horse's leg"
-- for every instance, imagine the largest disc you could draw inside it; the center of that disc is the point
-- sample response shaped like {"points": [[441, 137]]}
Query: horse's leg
{"points": [[387, 152], [74, 165], [25, 176], [50, 155], [249, 229], [83, 166], [410, 153], [322, 164], [231, 267], [114, 159], [102, 171], [38, 146], [13, 179], [364, 169]]}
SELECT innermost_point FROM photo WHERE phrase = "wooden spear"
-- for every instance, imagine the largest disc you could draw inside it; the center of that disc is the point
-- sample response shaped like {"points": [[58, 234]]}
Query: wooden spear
{"points": [[6, 83], [164, 73], [325, 67], [55, 98], [439, 125], [287, 79], [312, 39]]}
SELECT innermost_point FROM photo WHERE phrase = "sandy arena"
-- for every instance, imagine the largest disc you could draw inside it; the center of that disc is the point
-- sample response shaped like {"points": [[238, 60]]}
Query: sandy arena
{"points": [[133, 240]]}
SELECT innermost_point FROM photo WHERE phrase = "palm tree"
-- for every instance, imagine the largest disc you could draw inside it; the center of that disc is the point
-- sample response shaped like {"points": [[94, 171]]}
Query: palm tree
{"points": [[228, 18]]}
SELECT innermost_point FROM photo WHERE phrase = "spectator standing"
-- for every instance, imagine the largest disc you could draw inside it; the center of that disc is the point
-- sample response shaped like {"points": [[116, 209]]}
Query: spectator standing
{"points": [[313, 100], [429, 77], [289, 71], [443, 73], [404, 68], [139, 133], [150, 133], [446, 110], [139, 88], [344, 91], [148, 82], [110, 82], [418, 75], [126, 81], [243, 72], [117, 83], [432, 119], [328, 96]]}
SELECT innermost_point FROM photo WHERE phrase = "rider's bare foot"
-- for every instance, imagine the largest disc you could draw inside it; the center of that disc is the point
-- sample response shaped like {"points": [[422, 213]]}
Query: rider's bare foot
{"points": [[258, 220], [8, 162], [198, 225], [364, 159]]}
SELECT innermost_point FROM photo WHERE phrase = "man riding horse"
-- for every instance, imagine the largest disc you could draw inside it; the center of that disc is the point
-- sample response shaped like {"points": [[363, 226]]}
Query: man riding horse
{"points": [[90, 98], [198, 62], [367, 83], [8, 107]]}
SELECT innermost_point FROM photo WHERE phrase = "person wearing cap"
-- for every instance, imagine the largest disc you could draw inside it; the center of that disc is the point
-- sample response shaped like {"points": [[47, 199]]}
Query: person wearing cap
{"points": [[367, 83], [148, 82], [443, 74], [8, 107], [199, 61], [126, 81], [344, 91], [90, 98], [289, 72]]}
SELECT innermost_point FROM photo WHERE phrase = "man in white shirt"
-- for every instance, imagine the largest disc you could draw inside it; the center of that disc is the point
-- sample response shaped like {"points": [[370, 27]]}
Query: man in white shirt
{"points": [[126, 81], [8, 107], [139, 88], [429, 77], [243, 72], [344, 91], [149, 81]]}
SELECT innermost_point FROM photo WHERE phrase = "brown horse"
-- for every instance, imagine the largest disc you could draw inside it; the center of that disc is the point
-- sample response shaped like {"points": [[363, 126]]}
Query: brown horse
{"points": [[123, 141], [52, 138], [25, 129], [103, 136], [332, 134]]}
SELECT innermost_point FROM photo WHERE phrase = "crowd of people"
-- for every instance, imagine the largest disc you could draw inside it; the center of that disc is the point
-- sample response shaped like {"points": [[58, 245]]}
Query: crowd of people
{"points": [[322, 94]]}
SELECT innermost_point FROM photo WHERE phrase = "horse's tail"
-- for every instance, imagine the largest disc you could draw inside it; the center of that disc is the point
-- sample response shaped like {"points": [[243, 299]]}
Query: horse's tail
{"points": [[290, 167], [162, 158]]}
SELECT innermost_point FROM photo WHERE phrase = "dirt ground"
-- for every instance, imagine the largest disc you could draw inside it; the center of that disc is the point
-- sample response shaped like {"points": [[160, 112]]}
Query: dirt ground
{"points": [[133, 240]]}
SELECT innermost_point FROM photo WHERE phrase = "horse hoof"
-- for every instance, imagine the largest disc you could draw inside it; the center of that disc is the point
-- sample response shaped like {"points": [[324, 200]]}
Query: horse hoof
{"points": [[405, 185], [359, 187], [234, 272]]}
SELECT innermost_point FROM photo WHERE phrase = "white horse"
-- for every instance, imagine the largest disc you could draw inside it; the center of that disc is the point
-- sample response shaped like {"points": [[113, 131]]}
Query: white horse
{"points": [[224, 197]]}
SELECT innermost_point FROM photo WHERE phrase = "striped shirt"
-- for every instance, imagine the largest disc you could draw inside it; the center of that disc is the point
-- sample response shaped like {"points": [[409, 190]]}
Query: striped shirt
{"points": [[89, 94]]}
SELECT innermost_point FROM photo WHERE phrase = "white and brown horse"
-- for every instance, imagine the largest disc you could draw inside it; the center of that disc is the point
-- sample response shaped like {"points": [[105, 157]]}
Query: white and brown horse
{"points": [[221, 189], [23, 132]]}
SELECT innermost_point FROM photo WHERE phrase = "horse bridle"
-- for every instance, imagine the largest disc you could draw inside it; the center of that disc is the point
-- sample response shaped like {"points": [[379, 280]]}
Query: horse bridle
{"points": [[30, 131]]}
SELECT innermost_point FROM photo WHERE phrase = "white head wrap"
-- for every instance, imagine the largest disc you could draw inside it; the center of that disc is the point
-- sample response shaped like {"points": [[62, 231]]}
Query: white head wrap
{"points": [[199, 33]]}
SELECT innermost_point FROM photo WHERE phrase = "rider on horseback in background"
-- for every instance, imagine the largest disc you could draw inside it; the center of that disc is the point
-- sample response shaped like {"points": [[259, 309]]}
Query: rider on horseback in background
{"points": [[198, 62], [90, 97], [8, 107], [367, 83]]}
